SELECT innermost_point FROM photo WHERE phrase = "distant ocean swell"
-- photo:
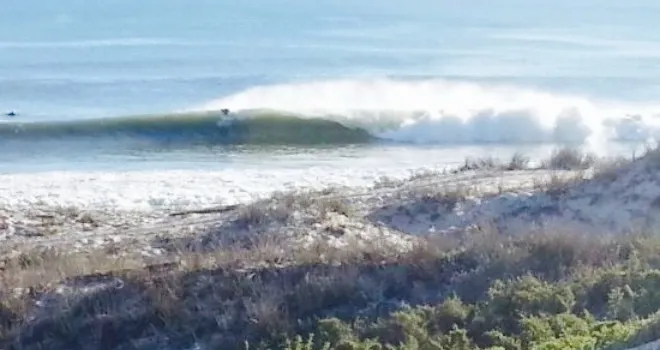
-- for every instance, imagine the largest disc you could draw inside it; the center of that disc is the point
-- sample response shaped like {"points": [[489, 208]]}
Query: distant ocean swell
{"points": [[368, 111]]}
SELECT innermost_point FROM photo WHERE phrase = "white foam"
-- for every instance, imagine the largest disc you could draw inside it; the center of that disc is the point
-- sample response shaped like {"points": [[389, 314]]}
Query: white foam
{"points": [[441, 111], [242, 177], [173, 189]]}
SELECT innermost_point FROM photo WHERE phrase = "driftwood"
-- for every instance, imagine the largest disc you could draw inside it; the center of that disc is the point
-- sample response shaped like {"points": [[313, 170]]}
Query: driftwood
{"points": [[211, 210]]}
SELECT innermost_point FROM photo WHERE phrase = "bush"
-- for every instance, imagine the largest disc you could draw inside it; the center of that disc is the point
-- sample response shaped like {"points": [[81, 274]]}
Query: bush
{"points": [[476, 292], [570, 159]]}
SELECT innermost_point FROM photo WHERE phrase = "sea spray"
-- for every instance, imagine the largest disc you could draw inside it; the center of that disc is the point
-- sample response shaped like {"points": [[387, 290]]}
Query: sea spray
{"points": [[438, 111]]}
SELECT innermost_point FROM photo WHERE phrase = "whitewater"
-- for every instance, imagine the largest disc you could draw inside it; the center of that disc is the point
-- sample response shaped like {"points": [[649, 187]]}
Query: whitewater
{"points": [[438, 111], [119, 105]]}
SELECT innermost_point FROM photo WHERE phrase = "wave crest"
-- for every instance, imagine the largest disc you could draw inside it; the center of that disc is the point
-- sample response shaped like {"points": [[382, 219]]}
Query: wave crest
{"points": [[361, 111], [259, 128], [442, 111]]}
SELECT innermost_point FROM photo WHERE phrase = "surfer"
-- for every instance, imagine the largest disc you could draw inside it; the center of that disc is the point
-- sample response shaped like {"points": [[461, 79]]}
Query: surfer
{"points": [[11, 114], [224, 111]]}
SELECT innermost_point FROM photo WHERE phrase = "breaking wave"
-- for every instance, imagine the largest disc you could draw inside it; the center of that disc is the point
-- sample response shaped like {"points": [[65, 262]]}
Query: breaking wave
{"points": [[428, 111], [448, 112], [212, 128]]}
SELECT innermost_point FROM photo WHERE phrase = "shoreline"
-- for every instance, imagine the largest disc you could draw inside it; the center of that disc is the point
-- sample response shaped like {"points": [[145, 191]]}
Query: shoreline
{"points": [[74, 229]]}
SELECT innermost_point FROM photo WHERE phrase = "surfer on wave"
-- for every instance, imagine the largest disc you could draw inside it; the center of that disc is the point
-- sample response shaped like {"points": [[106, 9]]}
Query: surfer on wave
{"points": [[11, 114], [225, 122]]}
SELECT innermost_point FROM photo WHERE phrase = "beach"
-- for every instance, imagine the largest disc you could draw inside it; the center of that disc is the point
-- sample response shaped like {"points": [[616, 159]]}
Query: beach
{"points": [[52, 256], [396, 208], [282, 175]]}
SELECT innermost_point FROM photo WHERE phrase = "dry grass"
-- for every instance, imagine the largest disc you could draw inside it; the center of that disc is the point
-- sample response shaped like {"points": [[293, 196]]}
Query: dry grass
{"points": [[268, 272], [557, 186], [486, 163], [282, 208], [254, 291], [226, 297], [569, 159], [443, 198], [609, 170], [387, 182], [259, 291], [566, 158], [518, 161], [44, 267]]}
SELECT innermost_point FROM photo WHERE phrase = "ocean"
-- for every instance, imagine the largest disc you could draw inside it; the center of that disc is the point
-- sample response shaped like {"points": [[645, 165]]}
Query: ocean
{"points": [[119, 102]]}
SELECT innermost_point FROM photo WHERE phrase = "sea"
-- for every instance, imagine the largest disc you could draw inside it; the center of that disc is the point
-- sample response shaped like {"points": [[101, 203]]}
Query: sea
{"points": [[170, 104]]}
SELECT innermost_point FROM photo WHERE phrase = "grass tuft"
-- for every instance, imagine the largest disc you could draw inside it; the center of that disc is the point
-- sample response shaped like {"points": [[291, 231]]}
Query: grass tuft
{"points": [[570, 159]]}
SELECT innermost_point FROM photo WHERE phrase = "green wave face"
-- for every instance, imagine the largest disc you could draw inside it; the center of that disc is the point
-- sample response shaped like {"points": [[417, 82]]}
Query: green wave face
{"points": [[263, 128]]}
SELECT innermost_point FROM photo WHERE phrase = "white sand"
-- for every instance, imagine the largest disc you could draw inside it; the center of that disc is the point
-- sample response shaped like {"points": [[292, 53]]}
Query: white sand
{"points": [[615, 201], [393, 214], [46, 226]]}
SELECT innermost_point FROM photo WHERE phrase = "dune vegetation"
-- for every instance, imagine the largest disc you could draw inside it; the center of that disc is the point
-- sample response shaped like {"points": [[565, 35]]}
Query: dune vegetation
{"points": [[483, 289], [550, 291]]}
